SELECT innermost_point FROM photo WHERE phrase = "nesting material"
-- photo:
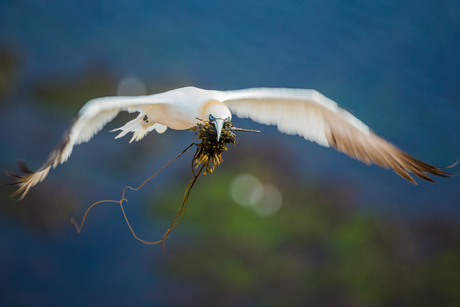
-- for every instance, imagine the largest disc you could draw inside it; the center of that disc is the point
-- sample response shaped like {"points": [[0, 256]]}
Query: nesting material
{"points": [[209, 150], [208, 155]]}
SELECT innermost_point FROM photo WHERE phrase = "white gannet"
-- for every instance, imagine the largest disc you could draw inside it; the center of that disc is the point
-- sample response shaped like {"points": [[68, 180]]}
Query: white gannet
{"points": [[304, 112]]}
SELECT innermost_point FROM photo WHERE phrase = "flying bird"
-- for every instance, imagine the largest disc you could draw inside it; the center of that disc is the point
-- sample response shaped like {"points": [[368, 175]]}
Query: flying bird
{"points": [[304, 112]]}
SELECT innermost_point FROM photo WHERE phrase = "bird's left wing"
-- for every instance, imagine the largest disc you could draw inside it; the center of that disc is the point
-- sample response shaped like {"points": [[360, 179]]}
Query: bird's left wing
{"points": [[94, 115], [317, 118]]}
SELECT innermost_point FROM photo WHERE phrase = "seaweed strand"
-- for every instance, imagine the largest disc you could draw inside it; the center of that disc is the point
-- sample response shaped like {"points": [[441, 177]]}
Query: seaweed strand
{"points": [[206, 158]]}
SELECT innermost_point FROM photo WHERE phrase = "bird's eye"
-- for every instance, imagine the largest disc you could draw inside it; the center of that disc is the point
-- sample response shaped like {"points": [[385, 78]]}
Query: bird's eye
{"points": [[211, 118], [227, 119]]}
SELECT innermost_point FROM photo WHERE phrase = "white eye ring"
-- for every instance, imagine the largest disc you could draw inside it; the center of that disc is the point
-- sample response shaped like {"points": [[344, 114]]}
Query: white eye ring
{"points": [[211, 118], [227, 119]]}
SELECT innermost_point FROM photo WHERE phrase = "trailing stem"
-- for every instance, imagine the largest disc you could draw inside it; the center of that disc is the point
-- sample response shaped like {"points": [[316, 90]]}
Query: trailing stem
{"points": [[207, 156]]}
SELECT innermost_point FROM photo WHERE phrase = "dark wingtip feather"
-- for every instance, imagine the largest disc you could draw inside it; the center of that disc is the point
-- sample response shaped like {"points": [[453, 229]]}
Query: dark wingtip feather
{"points": [[21, 180], [22, 165], [447, 174], [12, 175], [455, 163], [406, 176], [422, 169]]}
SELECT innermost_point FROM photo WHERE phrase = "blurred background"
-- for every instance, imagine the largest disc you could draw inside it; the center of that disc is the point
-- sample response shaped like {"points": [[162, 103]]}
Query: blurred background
{"points": [[282, 222]]}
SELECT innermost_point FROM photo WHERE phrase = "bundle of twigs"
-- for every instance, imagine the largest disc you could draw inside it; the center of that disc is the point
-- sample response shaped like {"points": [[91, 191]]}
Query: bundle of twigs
{"points": [[209, 150]]}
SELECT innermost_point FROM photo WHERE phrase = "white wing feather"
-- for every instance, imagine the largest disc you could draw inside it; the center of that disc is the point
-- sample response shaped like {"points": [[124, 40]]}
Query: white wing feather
{"points": [[93, 116], [96, 113], [319, 119], [293, 111]]}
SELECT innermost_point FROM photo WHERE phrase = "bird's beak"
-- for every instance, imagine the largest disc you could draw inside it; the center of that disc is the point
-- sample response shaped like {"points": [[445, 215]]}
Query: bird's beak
{"points": [[219, 124]]}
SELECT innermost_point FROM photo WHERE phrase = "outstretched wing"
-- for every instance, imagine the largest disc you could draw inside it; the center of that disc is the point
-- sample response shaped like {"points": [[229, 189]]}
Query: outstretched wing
{"points": [[317, 118], [94, 115]]}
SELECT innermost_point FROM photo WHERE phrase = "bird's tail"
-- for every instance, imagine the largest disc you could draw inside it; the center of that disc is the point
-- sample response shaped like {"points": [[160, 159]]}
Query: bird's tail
{"points": [[140, 126]]}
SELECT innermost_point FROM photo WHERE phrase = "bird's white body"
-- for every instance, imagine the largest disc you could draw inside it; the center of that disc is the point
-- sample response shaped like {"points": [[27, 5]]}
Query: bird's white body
{"points": [[294, 111]]}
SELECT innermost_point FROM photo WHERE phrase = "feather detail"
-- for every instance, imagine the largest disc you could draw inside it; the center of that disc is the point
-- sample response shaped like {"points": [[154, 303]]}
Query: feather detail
{"points": [[317, 118], [93, 116], [140, 126]]}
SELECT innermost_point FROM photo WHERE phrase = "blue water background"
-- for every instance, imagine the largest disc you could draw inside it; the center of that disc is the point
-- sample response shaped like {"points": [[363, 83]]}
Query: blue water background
{"points": [[395, 64]]}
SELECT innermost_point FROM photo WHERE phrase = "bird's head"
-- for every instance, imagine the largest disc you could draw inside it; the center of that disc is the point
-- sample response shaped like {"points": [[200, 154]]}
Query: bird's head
{"points": [[217, 113]]}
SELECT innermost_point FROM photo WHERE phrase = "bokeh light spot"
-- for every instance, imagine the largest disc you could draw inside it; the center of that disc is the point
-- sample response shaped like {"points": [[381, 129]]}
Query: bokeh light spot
{"points": [[131, 86], [264, 199], [271, 201], [246, 190]]}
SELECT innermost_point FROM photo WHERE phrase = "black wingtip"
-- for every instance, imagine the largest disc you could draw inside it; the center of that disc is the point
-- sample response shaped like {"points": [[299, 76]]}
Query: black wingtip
{"points": [[445, 174], [22, 165], [20, 180], [450, 166], [11, 174]]}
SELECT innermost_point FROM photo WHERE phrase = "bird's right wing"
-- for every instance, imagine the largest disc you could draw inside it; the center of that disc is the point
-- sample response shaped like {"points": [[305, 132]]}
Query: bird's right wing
{"points": [[94, 115], [317, 118]]}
